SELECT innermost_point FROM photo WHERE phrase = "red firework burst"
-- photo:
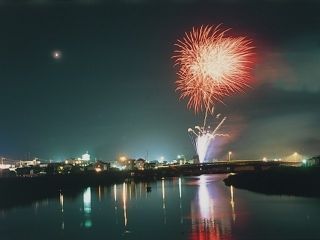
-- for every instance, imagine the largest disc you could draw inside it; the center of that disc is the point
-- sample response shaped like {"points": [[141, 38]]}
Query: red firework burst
{"points": [[211, 65]]}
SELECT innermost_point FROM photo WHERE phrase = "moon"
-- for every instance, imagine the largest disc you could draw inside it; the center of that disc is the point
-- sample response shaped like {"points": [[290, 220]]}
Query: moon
{"points": [[57, 54]]}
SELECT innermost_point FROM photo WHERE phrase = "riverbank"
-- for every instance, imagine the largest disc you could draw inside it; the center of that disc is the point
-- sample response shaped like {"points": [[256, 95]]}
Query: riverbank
{"points": [[291, 181], [20, 191]]}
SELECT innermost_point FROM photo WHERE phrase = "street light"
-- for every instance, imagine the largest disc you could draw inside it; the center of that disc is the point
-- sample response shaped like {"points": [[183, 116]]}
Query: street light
{"points": [[229, 155]]}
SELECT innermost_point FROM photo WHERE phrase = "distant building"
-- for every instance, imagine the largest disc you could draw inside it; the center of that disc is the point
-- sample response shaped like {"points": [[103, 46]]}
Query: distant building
{"points": [[99, 166], [195, 159], [5, 166], [86, 157], [74, 162], [24, 171], [139, 164], [190, 161], [151, 165], [125, 163], [181, 159], [34, 162], [130, 164], [28, 171]]}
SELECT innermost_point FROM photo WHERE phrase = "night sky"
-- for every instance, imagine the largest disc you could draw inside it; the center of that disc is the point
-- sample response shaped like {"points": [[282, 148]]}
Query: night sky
{"points": [[112, 90]]}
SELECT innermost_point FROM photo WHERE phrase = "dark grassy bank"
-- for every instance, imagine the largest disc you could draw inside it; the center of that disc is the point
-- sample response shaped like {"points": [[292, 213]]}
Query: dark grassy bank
{"points": [[280, 181]]}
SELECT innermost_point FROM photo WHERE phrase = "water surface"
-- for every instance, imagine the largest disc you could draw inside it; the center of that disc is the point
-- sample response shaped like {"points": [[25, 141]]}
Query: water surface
{"points": [[176, 208]]}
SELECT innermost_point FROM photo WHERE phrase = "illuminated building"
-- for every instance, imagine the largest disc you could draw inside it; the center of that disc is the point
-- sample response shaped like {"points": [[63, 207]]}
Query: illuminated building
{"points": [[181, 159], [86, 157], [34, 162], [150, 165], [99, 166], [139, 164], [130, 165], [125, 163]]}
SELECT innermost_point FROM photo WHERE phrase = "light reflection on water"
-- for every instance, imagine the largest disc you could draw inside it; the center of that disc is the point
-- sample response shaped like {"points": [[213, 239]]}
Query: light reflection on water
{"points": [[164, 201], [177, 208], [207, 222], [124, 199], [87, 208]]}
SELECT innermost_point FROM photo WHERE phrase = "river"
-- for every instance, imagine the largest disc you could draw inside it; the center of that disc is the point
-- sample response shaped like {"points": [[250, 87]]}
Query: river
{"points": [[199, 207]]}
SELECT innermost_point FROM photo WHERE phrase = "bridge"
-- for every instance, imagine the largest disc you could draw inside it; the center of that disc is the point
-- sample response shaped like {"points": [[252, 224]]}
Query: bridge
{"points": [[233, 166]]}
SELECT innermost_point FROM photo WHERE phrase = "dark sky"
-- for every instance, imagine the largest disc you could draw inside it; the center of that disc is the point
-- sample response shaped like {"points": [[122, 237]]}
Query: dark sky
{"points": [[112, 91]]}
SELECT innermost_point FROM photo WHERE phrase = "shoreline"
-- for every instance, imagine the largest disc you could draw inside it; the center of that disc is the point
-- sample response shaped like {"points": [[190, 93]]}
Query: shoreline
{"points": [[289, 181]]}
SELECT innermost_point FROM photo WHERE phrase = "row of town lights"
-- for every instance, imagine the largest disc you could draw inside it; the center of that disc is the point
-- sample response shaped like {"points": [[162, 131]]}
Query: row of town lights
{"points": [[123, 158]]}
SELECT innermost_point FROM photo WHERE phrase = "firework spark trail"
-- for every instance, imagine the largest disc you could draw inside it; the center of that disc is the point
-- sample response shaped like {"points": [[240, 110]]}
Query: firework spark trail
{"points": [[202, 137], [211, 65]]}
